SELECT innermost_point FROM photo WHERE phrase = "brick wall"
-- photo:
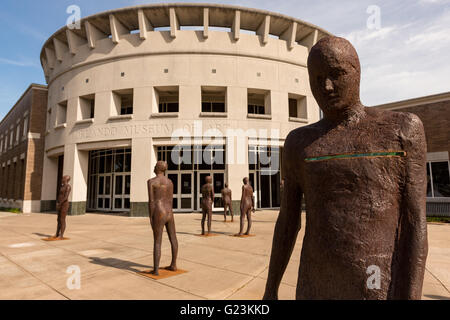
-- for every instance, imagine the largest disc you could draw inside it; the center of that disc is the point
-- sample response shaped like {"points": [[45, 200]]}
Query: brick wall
{"points": [[21, 162], [436, 121], [36, 145]]}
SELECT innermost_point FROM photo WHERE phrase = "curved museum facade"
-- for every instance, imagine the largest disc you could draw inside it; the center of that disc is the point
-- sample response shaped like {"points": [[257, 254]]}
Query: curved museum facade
{"points": [[211, 89]]}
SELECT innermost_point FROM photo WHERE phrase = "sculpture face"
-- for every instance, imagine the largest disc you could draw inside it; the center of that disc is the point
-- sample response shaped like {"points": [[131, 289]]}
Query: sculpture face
{"points": [[208, 179], [334, 73], [245, 180]]}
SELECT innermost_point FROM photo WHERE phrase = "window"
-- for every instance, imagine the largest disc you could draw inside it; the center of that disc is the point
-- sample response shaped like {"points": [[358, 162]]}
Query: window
{"points": [[213, 99], [6, 141], [123, 101], [87, 107], [17, 133], [11, 137], [1, 144], [297, 106], [61, 113], [438, 178], [257, 101], [25, 127], [167, 99]]}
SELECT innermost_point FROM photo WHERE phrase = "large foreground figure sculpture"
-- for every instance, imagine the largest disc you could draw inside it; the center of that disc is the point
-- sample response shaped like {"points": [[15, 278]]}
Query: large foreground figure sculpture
{"points": [[160, 195], [363, 174], [62, 206]]}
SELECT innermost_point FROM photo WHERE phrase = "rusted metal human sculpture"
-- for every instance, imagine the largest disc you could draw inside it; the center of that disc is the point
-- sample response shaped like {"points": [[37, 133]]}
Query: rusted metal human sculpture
{"points": [[247, 207], [207, 202], [227, 204], [363, 174], [160, 195], [62, 206]]}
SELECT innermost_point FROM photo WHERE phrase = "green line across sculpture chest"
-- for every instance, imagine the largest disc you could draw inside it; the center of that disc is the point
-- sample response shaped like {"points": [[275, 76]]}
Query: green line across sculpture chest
{"points": [[358, 155]]}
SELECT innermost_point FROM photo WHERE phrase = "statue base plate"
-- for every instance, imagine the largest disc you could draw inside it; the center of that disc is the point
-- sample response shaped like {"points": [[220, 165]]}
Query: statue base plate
{"points": [[163, 273], [55, 239]]}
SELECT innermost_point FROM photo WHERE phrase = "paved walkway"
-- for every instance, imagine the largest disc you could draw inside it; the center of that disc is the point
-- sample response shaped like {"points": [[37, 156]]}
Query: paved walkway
{"points": [[109, 250]]}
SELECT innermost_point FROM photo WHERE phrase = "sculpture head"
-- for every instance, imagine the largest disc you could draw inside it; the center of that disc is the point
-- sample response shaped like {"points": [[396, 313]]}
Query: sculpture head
{"points": [[226, 185], [208, 179], [65, 180], [161, 167], [335, 75], [245, 180]]}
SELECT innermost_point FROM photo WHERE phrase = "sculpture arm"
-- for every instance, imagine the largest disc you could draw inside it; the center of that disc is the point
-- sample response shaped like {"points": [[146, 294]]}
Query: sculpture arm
{"points": [[212, 194], [412, 246], [253, 201], [67, 193], [286, 230], [150, 199]]}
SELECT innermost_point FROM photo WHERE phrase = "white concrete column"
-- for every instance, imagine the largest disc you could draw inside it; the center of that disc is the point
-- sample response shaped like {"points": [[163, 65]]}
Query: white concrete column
{"points": [[190, 102], [49, 183], [237, 103], [103, 106], [143, 161], [237, 167], [76, 166], [313, 109], [280, 106], [142, 103]]}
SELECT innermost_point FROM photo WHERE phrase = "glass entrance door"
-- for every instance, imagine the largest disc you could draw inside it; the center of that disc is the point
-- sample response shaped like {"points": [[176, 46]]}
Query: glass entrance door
{"points": [[121, 192], [104, 192]]}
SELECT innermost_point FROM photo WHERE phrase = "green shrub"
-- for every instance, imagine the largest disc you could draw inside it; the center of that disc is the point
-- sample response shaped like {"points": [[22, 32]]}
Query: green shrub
{"points": [[439, 219], [12, 210]]}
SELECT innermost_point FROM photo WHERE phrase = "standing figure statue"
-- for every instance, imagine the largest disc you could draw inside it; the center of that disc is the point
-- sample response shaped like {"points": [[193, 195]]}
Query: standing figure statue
{"points": [[227, 204], [62, 206], [160, 195], [247, 207], [363, 174], [207, 203]]}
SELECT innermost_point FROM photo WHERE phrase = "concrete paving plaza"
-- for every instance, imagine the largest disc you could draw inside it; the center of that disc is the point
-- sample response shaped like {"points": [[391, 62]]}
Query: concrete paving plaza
{"points": [[110, 250]]}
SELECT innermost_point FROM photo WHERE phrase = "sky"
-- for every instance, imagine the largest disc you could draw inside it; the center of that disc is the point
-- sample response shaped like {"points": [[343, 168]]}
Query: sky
{"points": [[403, 45]]}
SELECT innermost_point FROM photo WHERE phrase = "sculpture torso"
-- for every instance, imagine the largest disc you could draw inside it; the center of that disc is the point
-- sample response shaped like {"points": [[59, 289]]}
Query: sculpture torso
{"points": [[353, 205], [226, 196], [207, 193], [161, 195], [63, 195], [247, 196]]}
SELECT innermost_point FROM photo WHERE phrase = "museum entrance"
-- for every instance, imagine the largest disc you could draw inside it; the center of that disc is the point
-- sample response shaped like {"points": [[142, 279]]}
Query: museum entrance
{"points": [[109, 180], [265, 176], [188, 167]]}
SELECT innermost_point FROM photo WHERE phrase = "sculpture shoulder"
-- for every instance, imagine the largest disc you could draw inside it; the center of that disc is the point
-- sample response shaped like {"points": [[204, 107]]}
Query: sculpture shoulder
{"points": [[301, 137], [410, 127]]}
